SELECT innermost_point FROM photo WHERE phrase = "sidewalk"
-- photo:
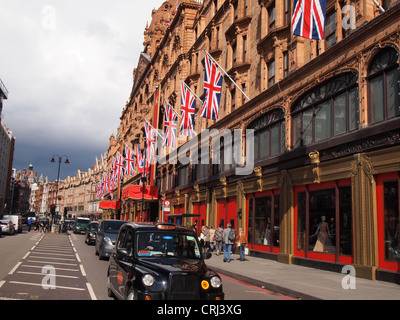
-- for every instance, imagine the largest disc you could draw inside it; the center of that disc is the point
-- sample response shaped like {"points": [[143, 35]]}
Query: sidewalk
{"points": [[301, 282]]}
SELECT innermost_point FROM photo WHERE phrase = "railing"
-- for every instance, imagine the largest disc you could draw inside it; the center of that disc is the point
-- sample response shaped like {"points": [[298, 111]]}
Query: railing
{"points": [[3, 89]]}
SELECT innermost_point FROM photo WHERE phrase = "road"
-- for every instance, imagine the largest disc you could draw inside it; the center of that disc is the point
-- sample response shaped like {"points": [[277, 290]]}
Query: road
{"points": [[37, 266]]}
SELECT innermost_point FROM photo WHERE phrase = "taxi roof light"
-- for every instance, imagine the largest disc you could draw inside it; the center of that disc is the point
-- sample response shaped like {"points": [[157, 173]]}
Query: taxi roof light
{"points": [[166, 226]]}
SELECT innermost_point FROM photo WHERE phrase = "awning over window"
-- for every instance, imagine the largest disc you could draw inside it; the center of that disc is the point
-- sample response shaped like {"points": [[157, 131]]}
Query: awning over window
{"points": [[106, 204], [136, 193]]}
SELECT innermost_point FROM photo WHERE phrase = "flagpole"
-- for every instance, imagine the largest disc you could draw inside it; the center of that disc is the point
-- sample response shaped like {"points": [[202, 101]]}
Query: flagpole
{"points": [[379, 6], [226, 74], [173, 109], [191, 91], [154, 129]]}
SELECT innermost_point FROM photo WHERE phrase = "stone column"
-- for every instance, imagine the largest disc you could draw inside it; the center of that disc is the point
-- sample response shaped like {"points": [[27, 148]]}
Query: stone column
{"points": [[365, 237], [286, 218]]}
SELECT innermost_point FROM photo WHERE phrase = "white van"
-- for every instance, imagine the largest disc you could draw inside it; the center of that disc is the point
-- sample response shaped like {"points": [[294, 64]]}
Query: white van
{"points": [[16, 220]]}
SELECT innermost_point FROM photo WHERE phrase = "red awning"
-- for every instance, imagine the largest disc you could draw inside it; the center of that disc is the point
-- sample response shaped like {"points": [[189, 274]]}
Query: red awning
{"points": [[106, 204], [136, 193]]}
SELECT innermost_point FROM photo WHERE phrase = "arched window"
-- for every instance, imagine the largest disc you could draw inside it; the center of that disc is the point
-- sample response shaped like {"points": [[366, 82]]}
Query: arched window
{"points": [[329, 110], [383, 84], [269, 134]]}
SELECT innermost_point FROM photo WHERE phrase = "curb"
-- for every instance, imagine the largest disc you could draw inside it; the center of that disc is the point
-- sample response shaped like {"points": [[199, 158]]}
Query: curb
{"points": [[269, 286]]}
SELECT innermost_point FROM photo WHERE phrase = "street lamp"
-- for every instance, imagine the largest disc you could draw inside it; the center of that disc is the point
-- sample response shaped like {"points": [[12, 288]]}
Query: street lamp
{"points": [[58, 175]]}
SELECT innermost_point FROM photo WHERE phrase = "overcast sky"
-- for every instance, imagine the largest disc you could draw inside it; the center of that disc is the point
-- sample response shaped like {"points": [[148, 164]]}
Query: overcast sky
{"points": [[68, 68]]}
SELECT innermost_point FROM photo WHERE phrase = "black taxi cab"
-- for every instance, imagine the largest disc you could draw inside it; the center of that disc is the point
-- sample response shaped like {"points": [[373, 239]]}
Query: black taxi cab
{"points": [[160, 262]]}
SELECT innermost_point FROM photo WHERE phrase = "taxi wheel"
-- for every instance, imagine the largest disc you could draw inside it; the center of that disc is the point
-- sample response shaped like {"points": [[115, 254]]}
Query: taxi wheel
{"points": [[131, 294], [109, 291]]}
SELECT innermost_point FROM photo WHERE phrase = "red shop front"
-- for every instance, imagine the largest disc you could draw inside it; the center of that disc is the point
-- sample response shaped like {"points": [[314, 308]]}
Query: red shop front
{"points": [[388, 215], [200, 210], [147, 198], [227, 212], [323, 228], [263, 221]]}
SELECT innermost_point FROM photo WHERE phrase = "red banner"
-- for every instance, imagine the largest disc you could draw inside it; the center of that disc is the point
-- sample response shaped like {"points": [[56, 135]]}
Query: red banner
{"points": [[136, 193], [105, 204]]}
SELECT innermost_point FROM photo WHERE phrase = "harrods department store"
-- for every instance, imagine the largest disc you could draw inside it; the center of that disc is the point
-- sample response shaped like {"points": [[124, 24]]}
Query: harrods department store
{"points": [[326, 123]]}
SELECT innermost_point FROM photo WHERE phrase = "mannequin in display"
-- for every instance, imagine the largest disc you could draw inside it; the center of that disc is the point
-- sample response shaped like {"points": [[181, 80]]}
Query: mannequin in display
{"points": [[323, 243]]}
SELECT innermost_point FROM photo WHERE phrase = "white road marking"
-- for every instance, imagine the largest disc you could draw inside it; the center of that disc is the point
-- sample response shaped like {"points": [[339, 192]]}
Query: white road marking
{"points": [[26, 256], [51, 262], [41, 274], [39, 285], [53, 254], [41, 267], [38, 257], [91, 291], [15, 268], [82, 270]]}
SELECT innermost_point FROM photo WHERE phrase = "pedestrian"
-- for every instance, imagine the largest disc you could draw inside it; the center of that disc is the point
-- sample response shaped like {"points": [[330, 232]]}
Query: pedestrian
{"points": [[29, 224], [242, 241], [206, 231], [212, 235], [218, 239], [42, 226], [228, 239]]}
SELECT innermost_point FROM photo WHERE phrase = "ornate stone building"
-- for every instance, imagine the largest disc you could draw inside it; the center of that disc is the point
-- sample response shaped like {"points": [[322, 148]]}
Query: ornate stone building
{"points": [[78, 194], [325, 118]]}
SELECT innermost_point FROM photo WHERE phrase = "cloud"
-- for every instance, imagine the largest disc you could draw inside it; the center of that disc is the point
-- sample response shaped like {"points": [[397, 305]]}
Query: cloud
{"points": [[68, 68]]}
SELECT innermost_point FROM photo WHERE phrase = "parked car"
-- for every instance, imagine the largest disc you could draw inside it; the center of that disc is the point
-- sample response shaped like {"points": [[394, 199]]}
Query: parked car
{"points": [[17, 221], [90, 236], [7, 227], [160, 261], [81, 224], [106, 237]]}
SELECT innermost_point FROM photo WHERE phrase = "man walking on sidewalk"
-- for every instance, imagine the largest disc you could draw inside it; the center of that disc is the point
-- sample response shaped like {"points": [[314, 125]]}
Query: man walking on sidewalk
{"points": [[228, 239]]}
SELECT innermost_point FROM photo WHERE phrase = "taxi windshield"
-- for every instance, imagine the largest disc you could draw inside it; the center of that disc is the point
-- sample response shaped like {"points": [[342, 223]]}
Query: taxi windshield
{"points": [[163, 244]]}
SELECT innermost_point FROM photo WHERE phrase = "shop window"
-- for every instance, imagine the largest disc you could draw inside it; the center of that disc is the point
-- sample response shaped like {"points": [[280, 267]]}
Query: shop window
{"points": [[324, 221], [269, 135], [329, 110], [263, 222], [391, 220], [383, 80]]}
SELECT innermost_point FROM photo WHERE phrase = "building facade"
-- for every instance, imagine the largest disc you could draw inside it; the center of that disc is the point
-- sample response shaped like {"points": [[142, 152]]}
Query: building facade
{"points": [[7, 142], [77, 195], [324, 190]]}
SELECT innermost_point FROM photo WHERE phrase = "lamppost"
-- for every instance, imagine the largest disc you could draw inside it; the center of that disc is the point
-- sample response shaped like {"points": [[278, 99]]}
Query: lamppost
{"points": [[58, 174]]}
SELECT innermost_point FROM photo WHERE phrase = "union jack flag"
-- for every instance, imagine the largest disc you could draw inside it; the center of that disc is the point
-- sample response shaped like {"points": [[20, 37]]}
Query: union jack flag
{"points": [[129, 161], [171, 124], [188, 108], [105, 183], [150, 135], [140, 161], [212, 90], [308, 18], [119, 166]]}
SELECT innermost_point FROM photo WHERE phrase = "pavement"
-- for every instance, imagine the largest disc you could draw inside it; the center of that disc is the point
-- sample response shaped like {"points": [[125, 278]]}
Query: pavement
{"points": [[300, 282]]}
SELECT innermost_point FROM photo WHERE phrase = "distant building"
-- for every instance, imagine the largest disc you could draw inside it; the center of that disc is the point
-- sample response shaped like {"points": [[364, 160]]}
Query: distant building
{"points": [[78, 193]]}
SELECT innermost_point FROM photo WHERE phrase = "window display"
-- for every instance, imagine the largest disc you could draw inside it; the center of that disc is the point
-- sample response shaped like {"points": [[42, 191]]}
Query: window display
{"points": [[324, 220], [391, 221]]}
